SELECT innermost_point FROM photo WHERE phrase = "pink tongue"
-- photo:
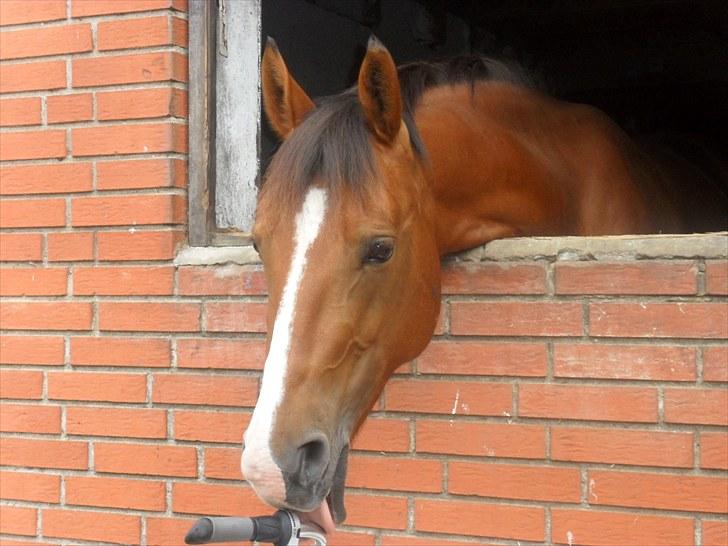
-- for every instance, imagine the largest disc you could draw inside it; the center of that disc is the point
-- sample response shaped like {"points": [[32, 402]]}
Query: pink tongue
{"points": [[321, 516]]}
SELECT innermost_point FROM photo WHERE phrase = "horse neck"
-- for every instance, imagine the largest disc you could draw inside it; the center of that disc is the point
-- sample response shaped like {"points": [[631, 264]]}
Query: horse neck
{"points": [[487, 177], [504, 164]]}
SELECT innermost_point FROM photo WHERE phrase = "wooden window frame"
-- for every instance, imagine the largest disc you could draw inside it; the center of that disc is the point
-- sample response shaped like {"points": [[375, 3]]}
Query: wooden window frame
{"points": [[206, 18]]}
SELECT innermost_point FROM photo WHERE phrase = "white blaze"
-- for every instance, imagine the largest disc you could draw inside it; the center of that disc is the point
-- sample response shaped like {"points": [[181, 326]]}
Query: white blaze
{"points": [[257, 461]]}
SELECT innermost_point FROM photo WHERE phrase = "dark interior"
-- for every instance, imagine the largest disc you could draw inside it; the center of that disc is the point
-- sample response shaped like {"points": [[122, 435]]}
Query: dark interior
{"points": [[655, 66]]}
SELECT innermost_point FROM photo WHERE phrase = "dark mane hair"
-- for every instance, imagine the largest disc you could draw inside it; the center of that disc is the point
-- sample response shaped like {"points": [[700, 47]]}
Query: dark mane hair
{"points": [[417, 77], [333, 142]]}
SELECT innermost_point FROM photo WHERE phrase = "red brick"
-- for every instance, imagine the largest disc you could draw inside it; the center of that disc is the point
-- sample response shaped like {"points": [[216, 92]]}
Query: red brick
{"points": [[228, 280], [124, 69], [395, 474], [66, 247], [129, 139], [223, 500], [205, 389], [32, 145], [16, 112], [715, 363], [120, 351], [391, 512], [452, 397], [236, 317], [38, 419], [224, 354], [39, 315], [103, 387], [716, 277], [139, 245], [17, 520], [21, 384], [46, 178], [223, 463], [130, 210], [134, 33], [63, 454], [659, 491], [715, 533], [85, 8], [209, 426], [92, 526], [40, 41], [609, 528], [508, 318], [509, 481], [479, 278], [180, 32], [32, 213], [714, 450], [31, 487], [442, 320], [480, 519], [481, 439], [483, 358], [379, 434], [33, 281], [149, 316], [640, 362], [21, 247], [682, 320], [698, 406], [140, 173], [145, 459], [16, 12], [622, 446], [116, 422], [588, 402], [115, 493], [123, 281], [623, 278], [42, 76], [69, 108], [70, 246], [42, 350]]}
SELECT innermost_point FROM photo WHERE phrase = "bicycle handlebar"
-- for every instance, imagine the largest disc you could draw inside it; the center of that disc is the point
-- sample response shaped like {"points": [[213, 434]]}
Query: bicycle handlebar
{"points": [[283, 528]]}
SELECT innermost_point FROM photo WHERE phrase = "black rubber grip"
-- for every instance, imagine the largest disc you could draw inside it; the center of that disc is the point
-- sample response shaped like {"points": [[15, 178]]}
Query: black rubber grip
{"points": [[276, 529], [200, 533]]}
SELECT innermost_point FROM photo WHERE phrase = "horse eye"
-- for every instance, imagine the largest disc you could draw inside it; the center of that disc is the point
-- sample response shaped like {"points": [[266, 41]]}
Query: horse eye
{"points": [[379, 250]]}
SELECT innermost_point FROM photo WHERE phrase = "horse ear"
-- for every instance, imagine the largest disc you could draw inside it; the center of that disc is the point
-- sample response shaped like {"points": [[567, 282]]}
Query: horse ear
{"points": [[285, 103], [379, 92]]}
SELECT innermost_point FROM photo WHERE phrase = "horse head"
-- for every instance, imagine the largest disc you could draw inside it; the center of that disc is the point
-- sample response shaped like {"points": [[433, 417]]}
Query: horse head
{"points": [[344, 227]]}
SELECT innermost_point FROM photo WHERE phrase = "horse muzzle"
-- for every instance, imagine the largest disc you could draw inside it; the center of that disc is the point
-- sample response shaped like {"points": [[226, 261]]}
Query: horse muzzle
{"points": [[305, 472], [302, 478]]}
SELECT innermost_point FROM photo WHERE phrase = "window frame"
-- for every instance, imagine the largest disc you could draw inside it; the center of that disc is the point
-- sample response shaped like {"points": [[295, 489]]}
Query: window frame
{"points": [[204, 43]]}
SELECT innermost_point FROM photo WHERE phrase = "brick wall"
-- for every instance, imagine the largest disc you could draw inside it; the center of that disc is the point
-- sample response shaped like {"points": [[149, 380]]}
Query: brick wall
{"points": [[563, 400]]}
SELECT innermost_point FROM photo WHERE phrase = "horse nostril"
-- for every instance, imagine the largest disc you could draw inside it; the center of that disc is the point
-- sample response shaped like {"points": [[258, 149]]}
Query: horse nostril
{"points": [[313, 458]]}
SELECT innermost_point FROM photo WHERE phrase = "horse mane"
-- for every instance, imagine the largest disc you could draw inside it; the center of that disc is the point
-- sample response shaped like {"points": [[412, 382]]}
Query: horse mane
{"points": [[333, 142], [417, 77]]}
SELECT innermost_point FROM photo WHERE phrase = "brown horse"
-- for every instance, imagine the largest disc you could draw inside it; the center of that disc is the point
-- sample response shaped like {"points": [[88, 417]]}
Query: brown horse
{"points": [[369, 189]]}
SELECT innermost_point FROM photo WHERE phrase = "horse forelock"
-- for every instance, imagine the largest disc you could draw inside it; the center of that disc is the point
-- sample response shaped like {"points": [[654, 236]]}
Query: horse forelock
{"points": [[333, 146]]}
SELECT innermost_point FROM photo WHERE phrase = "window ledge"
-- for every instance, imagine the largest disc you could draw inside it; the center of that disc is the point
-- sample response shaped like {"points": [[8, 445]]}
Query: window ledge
{"points": [[216, 255], [618, 247]]}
